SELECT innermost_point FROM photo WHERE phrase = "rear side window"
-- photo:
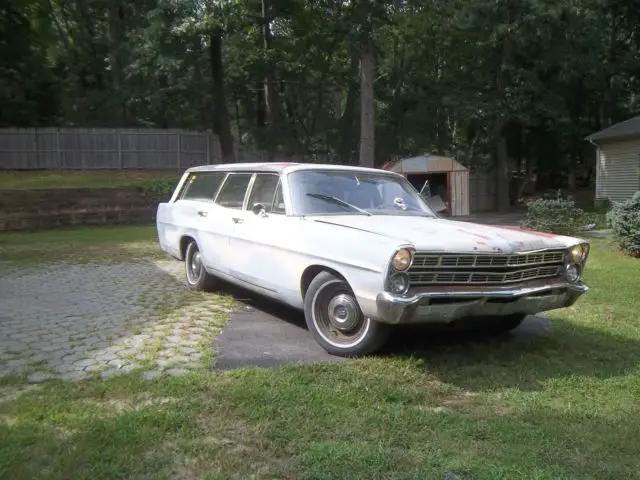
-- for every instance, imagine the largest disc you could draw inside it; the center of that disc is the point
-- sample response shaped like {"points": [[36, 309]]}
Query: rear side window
{"points": [[202, 186], [233, 191]]}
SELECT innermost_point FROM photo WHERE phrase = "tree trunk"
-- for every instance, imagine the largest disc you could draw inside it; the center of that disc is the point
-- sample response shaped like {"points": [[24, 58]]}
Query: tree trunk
{"points": [[221, 120], [502, 158], [502, 168], [349, 118], [362, 14], [261, 112], [115, 38], [271, 100], [367, 118], [573, 166]]}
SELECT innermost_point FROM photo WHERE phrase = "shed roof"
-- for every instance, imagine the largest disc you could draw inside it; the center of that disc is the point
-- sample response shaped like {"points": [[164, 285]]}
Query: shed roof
{"points": [[626, 128], [424, 164]]}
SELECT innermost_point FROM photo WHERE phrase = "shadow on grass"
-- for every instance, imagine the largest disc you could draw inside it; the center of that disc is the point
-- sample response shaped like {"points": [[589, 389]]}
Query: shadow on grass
{"points": [[542, 348]]}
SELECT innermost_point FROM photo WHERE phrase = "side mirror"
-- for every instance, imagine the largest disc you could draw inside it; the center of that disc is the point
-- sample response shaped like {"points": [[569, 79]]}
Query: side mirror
{"points": [[259, 209]]}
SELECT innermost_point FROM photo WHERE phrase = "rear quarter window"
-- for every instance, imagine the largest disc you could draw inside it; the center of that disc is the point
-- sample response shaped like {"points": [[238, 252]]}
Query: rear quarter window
{"points": [[202, 186]]}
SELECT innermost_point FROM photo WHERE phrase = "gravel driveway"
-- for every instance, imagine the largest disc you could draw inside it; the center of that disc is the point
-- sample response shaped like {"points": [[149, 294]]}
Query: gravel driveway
{"points": [[73, 321]]}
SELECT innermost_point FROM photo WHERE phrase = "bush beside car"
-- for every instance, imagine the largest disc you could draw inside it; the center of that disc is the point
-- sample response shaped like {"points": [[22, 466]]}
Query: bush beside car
{"points": [[560, 216], [624, 221]]}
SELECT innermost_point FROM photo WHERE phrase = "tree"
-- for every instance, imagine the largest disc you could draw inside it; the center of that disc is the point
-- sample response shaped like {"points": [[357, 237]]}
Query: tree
{"points": [[498, 84], [363, 15]]}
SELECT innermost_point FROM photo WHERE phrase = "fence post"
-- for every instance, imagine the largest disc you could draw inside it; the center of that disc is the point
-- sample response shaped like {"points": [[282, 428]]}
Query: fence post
{"points": [[58, 149], [208, 148], [35, 146], [178, 141], [119, 142]]}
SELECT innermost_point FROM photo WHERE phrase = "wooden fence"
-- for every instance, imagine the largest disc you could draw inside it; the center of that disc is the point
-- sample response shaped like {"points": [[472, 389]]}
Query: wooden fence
{"points": [[104, 148]]}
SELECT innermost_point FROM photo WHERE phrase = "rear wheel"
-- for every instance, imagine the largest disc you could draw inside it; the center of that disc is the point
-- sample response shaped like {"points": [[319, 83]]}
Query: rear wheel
{"points": [[197, 276], [334, 317]]}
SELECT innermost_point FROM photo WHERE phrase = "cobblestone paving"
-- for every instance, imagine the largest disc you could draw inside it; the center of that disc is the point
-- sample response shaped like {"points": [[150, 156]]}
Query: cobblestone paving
{"points": [[76, 321]]}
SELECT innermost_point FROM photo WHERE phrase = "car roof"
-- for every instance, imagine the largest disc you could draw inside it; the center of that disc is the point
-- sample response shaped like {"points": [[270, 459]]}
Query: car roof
{"points": [[283, 167]]}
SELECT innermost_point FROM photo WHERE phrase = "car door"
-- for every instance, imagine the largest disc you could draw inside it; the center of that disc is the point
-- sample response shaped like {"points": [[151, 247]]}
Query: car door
{"points": [[256, 245], [194, 212], [227, 209]]}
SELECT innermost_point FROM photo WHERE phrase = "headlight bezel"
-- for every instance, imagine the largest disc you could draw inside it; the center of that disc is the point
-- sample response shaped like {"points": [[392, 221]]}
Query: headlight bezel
{"points": [[576, 256], [392, 270], [407, 252], [578, 253], [578, 269], [407, 285]]}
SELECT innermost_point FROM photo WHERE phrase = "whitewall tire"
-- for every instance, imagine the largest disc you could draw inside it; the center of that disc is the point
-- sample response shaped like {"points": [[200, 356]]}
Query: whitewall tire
{"points": [[334, 318]]}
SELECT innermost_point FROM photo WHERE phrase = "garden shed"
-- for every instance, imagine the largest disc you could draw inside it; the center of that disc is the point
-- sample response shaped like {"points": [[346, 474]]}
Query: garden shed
{"points": [[448, 180]]}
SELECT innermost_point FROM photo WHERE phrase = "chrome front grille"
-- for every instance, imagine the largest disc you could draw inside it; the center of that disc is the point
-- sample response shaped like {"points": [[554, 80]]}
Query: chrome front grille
{"points": [[484, 269]]}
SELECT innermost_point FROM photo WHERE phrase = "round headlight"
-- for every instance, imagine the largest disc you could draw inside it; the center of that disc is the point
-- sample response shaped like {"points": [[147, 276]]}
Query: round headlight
{"points": [[577, 253], [402, 259], [399, 283], [572, 273]]}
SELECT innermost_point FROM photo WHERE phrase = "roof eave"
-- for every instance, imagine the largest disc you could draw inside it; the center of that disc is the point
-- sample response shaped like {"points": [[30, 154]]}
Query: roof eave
{"points": [[605, 138]]}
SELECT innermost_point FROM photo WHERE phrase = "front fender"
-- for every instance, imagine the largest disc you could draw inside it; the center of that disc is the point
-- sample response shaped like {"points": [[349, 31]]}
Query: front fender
{"points": [[362, 258]]}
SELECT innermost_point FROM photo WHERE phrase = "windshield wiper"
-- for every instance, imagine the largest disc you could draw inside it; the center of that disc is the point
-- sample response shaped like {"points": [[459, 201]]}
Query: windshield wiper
{"points": [[329, 198]]}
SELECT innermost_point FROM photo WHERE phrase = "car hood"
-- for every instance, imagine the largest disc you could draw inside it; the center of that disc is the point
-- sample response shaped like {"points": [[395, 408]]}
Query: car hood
{"points": [[443, 235]]}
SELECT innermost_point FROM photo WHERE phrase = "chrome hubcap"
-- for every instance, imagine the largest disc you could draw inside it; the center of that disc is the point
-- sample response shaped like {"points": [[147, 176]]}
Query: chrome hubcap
{"points": [[344, 313], [337, 316], [195, 266]]}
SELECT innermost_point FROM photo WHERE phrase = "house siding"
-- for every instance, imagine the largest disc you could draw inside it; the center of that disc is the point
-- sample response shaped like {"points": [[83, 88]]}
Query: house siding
{"points": [[618, 170]]}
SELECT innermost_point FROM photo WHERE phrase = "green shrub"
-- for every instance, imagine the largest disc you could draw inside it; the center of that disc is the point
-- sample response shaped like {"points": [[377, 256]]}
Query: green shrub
{"points": [[624, 220], [159, 190], [559, 216]]}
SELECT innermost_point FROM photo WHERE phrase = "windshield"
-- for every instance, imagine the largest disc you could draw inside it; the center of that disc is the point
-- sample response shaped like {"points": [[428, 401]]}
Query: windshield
{"points": [[326, 192]]}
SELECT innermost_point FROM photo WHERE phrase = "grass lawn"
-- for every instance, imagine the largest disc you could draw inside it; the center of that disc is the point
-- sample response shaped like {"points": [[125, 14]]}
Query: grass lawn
{"points": [[80, 244], [82, 178], [563, 405]]}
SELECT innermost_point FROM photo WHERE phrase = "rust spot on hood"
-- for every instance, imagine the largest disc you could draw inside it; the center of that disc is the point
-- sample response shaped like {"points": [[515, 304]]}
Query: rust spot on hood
{"points": [[468, 232], [525, 230]]}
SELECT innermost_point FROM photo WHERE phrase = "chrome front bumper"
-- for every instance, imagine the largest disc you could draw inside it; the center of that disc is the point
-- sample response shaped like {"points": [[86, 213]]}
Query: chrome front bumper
{"points": [[448, 306]]}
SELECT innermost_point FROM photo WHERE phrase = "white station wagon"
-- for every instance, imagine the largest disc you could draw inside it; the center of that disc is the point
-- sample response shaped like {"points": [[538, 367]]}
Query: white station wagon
{"points": [[359, 250]]}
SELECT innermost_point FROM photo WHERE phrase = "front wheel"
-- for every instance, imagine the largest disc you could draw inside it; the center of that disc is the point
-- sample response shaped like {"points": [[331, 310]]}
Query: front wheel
{"points": [[334, 317]]}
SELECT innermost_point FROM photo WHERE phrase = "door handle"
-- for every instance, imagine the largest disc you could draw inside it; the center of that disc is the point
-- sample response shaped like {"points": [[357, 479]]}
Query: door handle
{"points": [[237, 220], [202, 213]]}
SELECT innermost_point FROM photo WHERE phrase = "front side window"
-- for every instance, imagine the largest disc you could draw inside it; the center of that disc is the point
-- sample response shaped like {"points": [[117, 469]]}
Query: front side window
{"points": [[278, 201], [233, 190], [263, 190], [326, 192], [202, 186]]}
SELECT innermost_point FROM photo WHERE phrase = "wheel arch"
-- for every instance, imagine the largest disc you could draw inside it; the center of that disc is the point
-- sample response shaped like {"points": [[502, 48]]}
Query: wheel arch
{"points": [[184, 243], [311, 272]]}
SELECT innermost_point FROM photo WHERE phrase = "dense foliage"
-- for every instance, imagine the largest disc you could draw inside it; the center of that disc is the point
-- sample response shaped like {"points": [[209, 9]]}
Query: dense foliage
{"points": [[624, 220], [554, 215], [514, 85]]}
